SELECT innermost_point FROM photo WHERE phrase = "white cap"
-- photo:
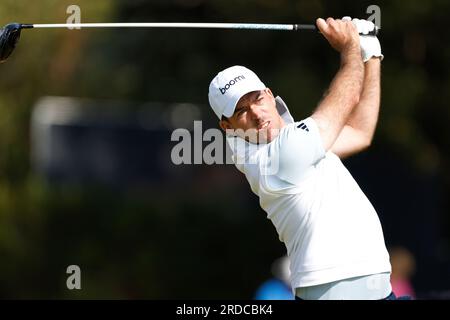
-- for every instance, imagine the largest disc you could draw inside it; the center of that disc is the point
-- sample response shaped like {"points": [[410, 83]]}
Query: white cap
{"points": [[229, 86]]}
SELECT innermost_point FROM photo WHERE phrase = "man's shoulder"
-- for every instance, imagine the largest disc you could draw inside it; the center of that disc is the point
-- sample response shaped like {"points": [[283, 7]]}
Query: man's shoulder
{"points": [[296, 129], [303, 124]]}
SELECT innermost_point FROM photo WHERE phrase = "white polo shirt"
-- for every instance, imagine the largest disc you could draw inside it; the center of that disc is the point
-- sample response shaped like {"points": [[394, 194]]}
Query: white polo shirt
{"points": [[330, 228]]}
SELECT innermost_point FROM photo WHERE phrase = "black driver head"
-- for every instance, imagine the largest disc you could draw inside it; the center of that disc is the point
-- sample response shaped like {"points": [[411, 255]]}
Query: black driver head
{"points": [[9, 36]]}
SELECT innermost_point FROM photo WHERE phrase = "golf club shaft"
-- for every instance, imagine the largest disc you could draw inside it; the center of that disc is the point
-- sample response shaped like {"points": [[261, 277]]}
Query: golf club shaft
{"points": [[248, 26], [255, 26]]}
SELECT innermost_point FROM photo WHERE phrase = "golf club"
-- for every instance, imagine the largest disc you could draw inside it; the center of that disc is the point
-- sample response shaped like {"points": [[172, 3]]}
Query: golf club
{"points": [[10, 34]]}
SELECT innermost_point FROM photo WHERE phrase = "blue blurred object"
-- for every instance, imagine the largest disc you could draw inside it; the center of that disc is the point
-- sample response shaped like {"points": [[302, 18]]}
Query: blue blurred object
{"points": [[274, 289]]}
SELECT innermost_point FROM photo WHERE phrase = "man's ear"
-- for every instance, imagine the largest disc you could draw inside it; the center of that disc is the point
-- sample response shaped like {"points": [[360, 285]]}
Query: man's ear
{"points": [[225, 124], [269, 92]]}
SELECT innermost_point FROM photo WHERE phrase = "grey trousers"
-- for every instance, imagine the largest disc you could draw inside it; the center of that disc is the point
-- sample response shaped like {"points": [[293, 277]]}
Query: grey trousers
{"points": [[370, 287]]}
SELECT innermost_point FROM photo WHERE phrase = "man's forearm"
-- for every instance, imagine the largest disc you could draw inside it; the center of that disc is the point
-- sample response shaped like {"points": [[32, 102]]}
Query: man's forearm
{"points": [[364, 116], [341, 98]]}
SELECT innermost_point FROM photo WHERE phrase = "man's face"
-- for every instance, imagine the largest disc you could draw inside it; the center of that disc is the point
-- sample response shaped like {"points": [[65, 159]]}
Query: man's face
{"points": [[255, 118]]}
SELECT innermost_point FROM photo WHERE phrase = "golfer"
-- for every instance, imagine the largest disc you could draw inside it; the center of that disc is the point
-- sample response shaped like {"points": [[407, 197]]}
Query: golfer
{"points": [[332, 233]]}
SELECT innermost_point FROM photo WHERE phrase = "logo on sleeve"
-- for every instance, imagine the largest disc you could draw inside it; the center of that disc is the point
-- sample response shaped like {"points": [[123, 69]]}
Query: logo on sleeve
{"points": [[303, 126]]}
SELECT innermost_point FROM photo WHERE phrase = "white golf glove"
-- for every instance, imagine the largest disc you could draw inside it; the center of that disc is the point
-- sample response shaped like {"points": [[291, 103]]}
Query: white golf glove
{"points": [[370, 46]]}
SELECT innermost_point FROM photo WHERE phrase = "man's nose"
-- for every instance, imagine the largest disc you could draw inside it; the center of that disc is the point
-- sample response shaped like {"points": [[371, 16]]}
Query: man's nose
{"points": [[255, 112]]}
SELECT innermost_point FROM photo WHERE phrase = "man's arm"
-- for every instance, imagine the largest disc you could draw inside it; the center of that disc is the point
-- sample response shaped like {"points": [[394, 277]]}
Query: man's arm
{"points": [[359, 130], [344, 92]]}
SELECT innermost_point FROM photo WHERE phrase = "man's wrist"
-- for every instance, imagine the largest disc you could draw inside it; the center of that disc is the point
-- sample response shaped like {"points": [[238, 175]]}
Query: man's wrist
{"points": [[353, 48], [373, 60], [351, 56]]}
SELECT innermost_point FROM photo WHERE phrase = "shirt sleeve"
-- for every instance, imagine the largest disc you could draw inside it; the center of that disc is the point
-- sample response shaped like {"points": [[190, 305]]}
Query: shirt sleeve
{"points": [[297, 148]]}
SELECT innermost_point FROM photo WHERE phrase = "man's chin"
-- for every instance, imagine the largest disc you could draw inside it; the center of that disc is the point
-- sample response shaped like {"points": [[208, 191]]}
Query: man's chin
{"points": [[264, 139]]}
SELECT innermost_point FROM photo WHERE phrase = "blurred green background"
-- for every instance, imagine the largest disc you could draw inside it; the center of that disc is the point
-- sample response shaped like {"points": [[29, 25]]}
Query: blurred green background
{"points": [[206, 237]]}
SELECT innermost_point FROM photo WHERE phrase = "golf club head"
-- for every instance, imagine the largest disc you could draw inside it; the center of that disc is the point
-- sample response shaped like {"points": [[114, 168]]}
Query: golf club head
{"points": [[9, 36]]}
